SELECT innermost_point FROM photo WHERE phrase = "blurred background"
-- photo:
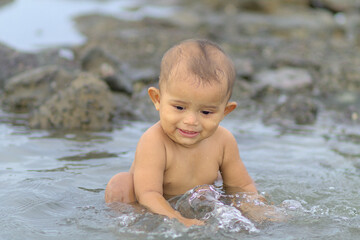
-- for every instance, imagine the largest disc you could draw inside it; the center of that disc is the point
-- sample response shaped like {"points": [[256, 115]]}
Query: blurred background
{"points": [[294, 59]]}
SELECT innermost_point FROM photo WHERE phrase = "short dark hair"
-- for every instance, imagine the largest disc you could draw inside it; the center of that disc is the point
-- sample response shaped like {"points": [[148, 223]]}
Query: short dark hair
{"points": [[201, 57]]}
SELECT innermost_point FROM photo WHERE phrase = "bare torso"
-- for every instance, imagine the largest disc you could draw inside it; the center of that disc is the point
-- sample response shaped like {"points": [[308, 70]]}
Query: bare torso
{"points": [[187, 168]]}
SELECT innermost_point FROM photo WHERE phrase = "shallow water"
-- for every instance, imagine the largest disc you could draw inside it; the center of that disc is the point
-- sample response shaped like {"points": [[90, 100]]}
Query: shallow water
{"points": [[52, 184], [30, 26]]}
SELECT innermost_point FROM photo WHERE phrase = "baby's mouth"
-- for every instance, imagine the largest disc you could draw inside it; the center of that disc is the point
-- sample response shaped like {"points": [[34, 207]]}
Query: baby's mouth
{"points": [[189, 134]]}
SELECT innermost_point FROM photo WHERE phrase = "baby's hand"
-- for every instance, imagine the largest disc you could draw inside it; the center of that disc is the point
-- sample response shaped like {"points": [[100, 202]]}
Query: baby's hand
{"points": [[261, 213], [189, 222], [255, 208]]}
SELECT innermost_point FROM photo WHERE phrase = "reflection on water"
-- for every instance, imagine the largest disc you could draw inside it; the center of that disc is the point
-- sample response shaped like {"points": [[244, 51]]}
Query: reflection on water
{"points": [[74, 136], [88, 156], [52, 185]]}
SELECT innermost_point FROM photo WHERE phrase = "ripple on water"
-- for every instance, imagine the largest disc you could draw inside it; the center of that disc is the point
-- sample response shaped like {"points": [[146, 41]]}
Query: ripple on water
{"points": [[31, 209], [88, 156]]}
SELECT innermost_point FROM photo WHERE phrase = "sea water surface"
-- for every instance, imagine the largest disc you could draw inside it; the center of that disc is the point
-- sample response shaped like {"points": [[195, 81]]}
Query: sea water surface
{"points": [[52, 184], [30, 26]]}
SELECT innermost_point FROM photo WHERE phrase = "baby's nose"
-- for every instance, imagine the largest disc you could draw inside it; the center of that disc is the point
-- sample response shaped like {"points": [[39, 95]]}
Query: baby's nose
{"points": [[191, 119]]}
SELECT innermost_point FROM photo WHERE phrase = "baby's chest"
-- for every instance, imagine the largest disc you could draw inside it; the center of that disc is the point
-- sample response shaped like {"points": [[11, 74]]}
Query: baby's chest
{"points": [[187, 173]]}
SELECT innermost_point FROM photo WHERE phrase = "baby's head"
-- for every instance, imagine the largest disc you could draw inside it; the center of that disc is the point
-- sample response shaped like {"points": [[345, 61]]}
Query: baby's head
{"points": [[196, 81], [201, 60]]}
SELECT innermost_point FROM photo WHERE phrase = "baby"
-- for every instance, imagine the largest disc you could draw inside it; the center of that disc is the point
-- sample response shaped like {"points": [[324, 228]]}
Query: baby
{"points": [[187, 147]]}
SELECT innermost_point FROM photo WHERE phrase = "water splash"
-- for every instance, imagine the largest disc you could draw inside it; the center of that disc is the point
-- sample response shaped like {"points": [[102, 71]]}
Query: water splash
{"points": [[292, 205], [204, 202]]}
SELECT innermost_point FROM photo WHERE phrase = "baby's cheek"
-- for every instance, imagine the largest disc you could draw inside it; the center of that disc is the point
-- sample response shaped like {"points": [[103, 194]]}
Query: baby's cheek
{"points": [[212, 125]]}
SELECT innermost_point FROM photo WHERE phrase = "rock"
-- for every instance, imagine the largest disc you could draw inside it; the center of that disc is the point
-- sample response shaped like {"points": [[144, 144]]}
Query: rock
{"points": [[143, 76], [308, 54], [4, 2], [123, 107], [143, 108], [242, 90], [244, 67], [102, 64], [138, 44], [13, 62], [298, 109], [285, 79], [340, 74], [260, 6], [336, 6], [353, 113], [85, 105], [294, 23], [25, 91], [62, 57]]}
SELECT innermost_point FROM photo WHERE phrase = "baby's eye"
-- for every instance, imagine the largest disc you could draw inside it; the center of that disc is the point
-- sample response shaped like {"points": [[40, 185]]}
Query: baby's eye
{"points": [[205, 112], [179, 107]]}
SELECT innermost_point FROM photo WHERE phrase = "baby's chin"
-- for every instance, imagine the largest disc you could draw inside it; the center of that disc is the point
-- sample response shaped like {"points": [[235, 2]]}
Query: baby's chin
{"points": [[185, 142]]}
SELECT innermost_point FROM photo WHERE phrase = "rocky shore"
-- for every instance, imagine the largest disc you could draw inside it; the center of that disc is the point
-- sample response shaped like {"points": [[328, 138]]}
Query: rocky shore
{"points": [[294, 59]]}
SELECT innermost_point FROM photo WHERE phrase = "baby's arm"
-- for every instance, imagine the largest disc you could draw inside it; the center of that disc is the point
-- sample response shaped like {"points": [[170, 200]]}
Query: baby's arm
{"points": [[236, 179], [149, 168], [233, 171]]}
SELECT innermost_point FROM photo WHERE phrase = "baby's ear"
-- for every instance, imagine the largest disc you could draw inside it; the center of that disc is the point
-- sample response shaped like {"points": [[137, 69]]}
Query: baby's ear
{"points": [[154, 95], [230, 106]]}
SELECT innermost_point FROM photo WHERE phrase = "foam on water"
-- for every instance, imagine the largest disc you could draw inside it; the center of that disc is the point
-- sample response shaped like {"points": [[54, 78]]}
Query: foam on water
{"points": [[204, 203]]}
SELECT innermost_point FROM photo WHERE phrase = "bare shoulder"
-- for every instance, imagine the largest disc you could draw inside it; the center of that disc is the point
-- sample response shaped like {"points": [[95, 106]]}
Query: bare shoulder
{"points": [[153, 136], [224, 135], [152, 141], [150, 147]]}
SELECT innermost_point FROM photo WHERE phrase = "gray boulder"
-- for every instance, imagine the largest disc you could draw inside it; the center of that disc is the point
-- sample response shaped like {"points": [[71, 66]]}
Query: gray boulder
{"points": [[284, 79], [4, 2], [85, 105], [143, 108], [29, 89], [13, 62], [298, 109], [336, 6], [102, 64]]}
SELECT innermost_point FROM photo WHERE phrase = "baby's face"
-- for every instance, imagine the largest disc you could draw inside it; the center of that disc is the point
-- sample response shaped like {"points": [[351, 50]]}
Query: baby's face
{"points": [[191, 112]]}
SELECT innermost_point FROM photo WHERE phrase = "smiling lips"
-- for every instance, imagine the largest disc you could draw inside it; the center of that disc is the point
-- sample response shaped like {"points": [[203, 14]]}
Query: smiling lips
{"points": [[189, 134]]}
